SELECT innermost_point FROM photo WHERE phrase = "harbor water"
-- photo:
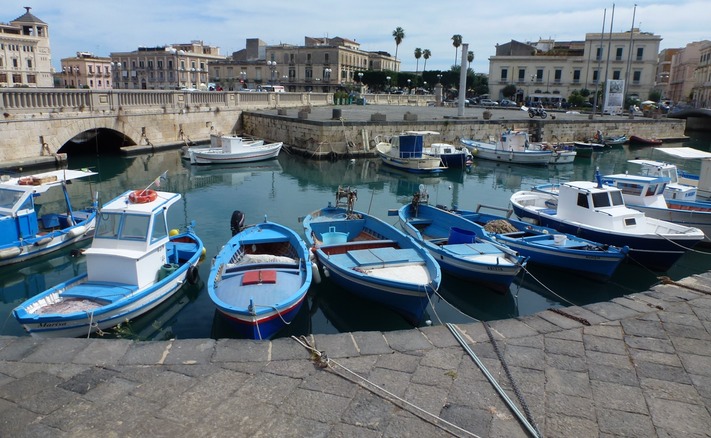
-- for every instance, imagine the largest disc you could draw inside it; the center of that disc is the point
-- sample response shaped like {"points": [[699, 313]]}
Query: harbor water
{"points": [[290, 187]]}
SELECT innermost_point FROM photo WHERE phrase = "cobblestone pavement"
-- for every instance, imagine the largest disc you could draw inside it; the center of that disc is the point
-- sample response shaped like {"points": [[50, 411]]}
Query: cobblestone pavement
{"points": [[637, 366]]}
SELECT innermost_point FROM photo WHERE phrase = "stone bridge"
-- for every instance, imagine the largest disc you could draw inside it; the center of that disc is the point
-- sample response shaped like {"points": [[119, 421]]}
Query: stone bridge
{"points": [[697, 119], [39, 125]]}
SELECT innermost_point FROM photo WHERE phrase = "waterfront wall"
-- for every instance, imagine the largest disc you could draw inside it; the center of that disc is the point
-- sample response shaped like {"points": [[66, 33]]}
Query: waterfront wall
{"points": [[335, 138]]}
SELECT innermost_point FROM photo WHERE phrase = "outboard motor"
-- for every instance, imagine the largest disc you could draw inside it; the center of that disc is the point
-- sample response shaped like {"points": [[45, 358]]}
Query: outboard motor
{"points": [[237, 222]]}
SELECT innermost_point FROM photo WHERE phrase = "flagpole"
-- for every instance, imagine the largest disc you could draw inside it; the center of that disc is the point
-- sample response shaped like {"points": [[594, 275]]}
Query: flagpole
{"points": [[163, 175]]}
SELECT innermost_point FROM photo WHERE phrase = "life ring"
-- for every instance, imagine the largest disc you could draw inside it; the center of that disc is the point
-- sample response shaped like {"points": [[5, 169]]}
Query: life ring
{"points": [[192, 275], [142, 196]]}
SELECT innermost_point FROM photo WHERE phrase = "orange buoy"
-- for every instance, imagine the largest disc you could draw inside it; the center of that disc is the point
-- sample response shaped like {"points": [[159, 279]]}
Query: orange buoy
{"points": [[142, 196]]}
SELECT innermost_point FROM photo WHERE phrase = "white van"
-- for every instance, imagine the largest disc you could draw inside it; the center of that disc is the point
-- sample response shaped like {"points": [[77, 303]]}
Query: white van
{"points": [[273, 88]]}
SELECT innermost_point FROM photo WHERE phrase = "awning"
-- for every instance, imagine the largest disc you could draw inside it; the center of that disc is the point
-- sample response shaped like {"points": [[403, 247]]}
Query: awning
{"points": [[685, 153]]}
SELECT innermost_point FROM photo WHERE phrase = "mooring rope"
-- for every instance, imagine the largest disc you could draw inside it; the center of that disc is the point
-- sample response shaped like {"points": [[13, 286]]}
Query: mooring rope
{"points": [[324, 361]]}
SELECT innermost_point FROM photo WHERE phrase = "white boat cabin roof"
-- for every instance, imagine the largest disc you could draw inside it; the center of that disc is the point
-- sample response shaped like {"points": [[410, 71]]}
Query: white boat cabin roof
{"points": [[41, 182], [685, 153], [122, 203], [420, 133]]}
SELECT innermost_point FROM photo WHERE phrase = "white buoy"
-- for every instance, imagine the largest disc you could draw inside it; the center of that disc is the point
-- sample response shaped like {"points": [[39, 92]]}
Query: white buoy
{"points": [[315, 273], [428, 322]]}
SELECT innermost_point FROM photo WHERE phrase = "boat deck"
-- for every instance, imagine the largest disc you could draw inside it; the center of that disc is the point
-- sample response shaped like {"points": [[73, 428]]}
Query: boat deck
{"points": [[377, 258], [267, 285]]}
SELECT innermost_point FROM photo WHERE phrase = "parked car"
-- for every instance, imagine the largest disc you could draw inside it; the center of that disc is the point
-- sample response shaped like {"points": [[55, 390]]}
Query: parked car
{"points": [[488, 102], [507, 102]]}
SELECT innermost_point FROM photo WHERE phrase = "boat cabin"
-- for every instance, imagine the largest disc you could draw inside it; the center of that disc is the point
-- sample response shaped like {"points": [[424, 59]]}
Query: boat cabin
{"points": [[675, 189], [130, 240], [514, 140], [702, 181], [410, 144], [596, 204], [642, 190]]}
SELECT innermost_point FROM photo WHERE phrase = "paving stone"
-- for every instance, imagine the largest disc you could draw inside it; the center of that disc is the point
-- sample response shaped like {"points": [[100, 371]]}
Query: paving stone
{"points": [[606, 373], [582, 312], [662, 372], [345, 430], [642, 328], [289, 425], [191, 351], [233, 416], [633, 305], [89, 379], [315, 405], [604, 345], [146, 353], [660, 389], [570, 406], [407, 340], [288, 349], [102, 352], [528, 341], [336, 346], [695, 364], [512, 328], [361, 365], [14, 422], [525, 357], [693, 346], [619, 397], [20, 348], [654, 357], [440, 336], [61, 350], [444, 358], [506, 426], [474, 332], [560, 321], [575, 334], [165, 386], [567, 382], [109, 391], [564, 347], [436, 377], [685, 331], [151, 426], [649, 344], [612, 311], [291, 368], [476, 421], [624, 423], [371, 343], [526, 380], [681, 319], [241, 350], [568, 363], [368, 410], [609, 359], [399, 362], [395, 382], [610, 330], [652, 302], [565, 426], [327, 381], [539, 324]]}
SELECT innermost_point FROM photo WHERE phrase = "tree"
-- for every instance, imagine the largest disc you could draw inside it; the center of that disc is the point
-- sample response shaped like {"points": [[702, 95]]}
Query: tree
{"points": [[418, 55], [426, 54], [399, 35], [509, 91], [470, 56], [456, 42]]}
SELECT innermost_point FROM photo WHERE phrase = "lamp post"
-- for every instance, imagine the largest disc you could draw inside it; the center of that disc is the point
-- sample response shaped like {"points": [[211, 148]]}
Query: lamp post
{"points": [[387, 85], [424, 85], [116, 66], [327, 78], [409, 91], [530, 100], [243, 78], [75, 69], [360, 77], [272, 66]]}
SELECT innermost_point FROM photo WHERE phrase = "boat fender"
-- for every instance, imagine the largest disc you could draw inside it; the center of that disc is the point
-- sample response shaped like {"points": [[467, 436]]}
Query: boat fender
{"points": [[43, 241], [192, 275], [142, 196], [77, 231], [326, 272], [315, 273], [10, 252], [202, 254], [173, 232]]}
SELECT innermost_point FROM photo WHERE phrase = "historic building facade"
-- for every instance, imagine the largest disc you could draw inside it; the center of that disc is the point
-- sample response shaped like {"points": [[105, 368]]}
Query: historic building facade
{"points": [[701, 93], [25, 56], [321, 65], [86, 71], [682, 75], [176, 66], [551, 70]]}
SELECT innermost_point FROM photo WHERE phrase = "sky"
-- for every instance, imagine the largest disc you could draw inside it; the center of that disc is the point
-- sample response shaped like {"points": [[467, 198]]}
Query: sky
{"points": [[103, 26]]}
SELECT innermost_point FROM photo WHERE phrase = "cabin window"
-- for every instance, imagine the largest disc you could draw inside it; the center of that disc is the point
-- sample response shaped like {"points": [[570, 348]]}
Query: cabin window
{"points": [[108, 226], [601, 199], [135, 227], [630, 222], [583, 200], [8, 198], [617, 198], [160, 229], [630, 188]]}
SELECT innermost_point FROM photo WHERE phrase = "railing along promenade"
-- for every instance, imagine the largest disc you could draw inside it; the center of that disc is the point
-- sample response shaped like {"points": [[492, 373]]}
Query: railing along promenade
{"points": [[49, 100]]}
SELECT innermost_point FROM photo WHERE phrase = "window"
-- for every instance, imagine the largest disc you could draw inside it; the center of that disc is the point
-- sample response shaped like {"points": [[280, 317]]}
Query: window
{"points": [[326, 58], [576, 75], [29, 63], [308, 58], [598, 54], [595, 75], [640, 53], [539, 75], [150, 65], [134, 227], [521, 75], [504, 74], [618, 54], [558, 74], [309, 73], [616, 197], [636, 76], [601, 199], [108, 226], [583, 200], [616, 75], [141, 64], [160, 229], [170, 64], [160, 64], [14, 62]]}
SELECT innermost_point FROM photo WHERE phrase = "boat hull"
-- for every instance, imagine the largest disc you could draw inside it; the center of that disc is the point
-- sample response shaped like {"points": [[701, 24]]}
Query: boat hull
{"points": [[488, 151], [690, 214], [387, 266], [259, 279], [125, 303], [249, 154]]}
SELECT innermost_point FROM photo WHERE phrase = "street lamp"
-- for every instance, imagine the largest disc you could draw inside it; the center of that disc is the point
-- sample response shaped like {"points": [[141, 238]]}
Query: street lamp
{"points": [[409, 91], [387, 85], [117, 70], [360, 77], [327, 74], [243, 78], [272, 66], [530, 100], [424, 84]]}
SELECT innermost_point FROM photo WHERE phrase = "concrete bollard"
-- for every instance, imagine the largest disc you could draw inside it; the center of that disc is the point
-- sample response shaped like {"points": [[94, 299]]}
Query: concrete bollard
{"points": [[378, 117], [303, 115], [336, 114]]}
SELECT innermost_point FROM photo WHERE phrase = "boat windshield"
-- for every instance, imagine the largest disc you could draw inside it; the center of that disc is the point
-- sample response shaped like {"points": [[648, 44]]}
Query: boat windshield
{"points": [[122, 226], [8, 199], [602, 199]]}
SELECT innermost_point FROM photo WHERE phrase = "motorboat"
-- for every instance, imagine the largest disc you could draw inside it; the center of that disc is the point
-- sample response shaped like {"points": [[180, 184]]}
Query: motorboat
{"points": [[31, 227], [216, 142], [452, 157], [642, 141], [371, 258], [406, 151], [462, 248], [511, 147], [701, 180], [259, 279], [234, 150], [134, 264], [597, 212]]}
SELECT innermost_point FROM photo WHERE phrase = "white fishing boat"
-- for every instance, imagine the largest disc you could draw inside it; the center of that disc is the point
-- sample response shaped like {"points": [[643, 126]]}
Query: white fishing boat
{"points": [[26, 231], [216, 142], [133, 265], [234, 150], [406, 152], [511, 147]]}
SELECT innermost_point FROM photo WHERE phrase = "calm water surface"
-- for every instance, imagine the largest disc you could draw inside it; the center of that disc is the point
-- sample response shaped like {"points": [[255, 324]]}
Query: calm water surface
{"points": [[290, 187]]}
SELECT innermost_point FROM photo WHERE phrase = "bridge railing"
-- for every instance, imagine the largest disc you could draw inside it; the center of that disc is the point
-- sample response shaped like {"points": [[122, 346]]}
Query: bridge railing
{"points": [[46, 100]]}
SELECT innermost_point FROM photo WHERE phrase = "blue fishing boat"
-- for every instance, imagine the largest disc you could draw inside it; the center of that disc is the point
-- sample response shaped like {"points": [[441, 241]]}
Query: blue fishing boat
{"points": [[461, 247], [548, 247], [406, 151], [133, 265], [26, 231], [259, 279], [372, 258], [597, 212]]}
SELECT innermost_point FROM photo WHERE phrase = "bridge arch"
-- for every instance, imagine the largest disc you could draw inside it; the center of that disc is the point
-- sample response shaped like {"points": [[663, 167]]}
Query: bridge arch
{"points": [[94, 135]]}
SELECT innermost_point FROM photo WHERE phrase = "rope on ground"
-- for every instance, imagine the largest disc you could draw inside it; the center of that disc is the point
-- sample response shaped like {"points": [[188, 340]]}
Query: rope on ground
{"points": [[526, 423], [323, 361], [667, 280]]}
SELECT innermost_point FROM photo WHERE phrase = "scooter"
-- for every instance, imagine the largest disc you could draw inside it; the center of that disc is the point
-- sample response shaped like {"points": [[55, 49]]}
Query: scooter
{"points": [[533, 112]]}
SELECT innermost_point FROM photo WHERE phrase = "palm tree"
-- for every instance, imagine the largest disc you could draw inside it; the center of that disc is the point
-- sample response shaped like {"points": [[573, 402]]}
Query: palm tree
{"points": [[418, 55], [470, 56], [399, 35], [456, 42], [426, 54]]}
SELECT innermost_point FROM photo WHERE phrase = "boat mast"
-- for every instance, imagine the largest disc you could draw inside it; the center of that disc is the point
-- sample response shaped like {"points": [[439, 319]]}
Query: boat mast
{"points": [[629, 55]]}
